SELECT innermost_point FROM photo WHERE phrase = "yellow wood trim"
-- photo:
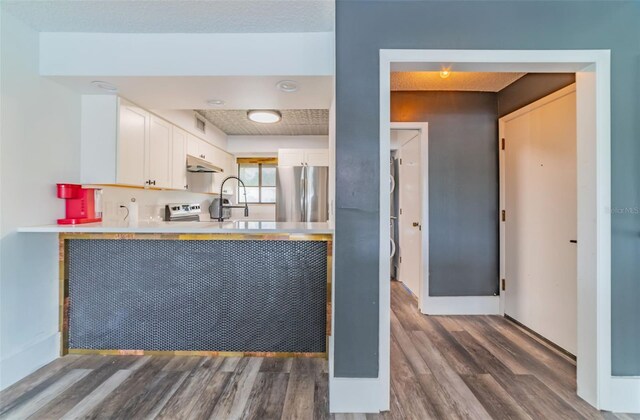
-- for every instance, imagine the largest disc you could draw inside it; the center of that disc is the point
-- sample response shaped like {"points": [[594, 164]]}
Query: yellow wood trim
{"points": [[197, 353], [63, 294], [256, 160]]}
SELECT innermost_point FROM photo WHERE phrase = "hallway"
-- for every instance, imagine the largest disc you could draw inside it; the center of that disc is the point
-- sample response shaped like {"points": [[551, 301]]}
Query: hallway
{"points": [[442, 368]]}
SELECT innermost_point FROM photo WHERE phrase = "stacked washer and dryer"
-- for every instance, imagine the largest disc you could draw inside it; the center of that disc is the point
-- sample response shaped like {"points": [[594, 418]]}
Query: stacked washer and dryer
{"points": [[393, 222]]}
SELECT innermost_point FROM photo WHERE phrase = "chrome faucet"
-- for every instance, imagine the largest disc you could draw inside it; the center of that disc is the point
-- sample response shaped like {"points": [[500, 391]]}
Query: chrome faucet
{"points": [[222, 206]]}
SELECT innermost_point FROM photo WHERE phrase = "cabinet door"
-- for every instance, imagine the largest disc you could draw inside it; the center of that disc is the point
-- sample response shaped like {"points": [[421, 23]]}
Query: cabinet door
{"points": [[193, 145], [160, 153], [133, 132], [319, 157], [178, 159], [229, 170], [207, 152], [291, 157]]}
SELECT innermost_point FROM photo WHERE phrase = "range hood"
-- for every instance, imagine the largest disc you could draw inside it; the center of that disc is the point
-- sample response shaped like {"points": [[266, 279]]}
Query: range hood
{"points": [[195, 164]]}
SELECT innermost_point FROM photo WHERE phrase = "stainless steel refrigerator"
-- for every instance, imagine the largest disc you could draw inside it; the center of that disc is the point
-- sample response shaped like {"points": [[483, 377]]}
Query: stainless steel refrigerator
{"points": [[302, 194]]}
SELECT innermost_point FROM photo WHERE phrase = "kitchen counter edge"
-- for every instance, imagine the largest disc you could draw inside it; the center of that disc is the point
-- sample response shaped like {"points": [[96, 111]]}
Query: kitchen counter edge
{"points": [[193, 228]]}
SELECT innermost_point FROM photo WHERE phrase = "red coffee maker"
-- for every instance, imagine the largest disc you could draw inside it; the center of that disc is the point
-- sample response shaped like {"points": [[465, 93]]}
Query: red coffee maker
{"points": [[80, 204]]}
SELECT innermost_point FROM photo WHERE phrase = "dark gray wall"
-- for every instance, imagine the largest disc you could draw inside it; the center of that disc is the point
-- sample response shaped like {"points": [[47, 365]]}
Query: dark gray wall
{"points": [[362, 29], [463, 187], [529, 88]]}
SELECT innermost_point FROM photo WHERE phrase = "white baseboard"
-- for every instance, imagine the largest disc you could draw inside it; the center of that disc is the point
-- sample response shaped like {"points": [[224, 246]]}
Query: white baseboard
{"points": [[461, 305], [28, 360], [355, 395], [624, 394]]}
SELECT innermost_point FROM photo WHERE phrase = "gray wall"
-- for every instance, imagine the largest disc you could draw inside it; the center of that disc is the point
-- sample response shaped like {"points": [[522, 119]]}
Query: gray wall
{"points": [[362, 29], [463, 187], [529, 88]]}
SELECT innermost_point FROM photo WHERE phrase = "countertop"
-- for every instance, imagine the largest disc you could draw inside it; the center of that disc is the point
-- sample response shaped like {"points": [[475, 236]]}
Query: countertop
{"points": [[239, 226]]}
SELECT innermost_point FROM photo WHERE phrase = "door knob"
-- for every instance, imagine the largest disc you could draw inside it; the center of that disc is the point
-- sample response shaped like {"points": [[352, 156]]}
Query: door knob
{"points": [[416, 224]]}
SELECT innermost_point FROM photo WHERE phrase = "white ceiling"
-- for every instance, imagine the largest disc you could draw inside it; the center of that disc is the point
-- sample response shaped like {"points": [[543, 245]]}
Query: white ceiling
{"points": [[458, 81], [177, 16], [295, 122], [238, 92]]}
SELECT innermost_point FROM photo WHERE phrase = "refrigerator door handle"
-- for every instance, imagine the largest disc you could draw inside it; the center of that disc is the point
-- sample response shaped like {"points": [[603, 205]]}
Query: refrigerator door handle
{"points": [[303, 196]]}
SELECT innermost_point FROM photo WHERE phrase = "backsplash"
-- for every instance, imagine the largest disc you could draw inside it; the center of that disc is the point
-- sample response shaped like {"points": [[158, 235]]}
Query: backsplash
{"points": [[151, 204]]}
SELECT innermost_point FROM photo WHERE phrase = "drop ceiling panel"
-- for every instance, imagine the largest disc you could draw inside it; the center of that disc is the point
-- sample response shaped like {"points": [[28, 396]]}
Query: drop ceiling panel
{"points": [[458, 81], [295, 122]]}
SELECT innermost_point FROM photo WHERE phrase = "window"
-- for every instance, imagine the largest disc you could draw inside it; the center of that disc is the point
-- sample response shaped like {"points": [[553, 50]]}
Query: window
{"points": [[259, 176]]}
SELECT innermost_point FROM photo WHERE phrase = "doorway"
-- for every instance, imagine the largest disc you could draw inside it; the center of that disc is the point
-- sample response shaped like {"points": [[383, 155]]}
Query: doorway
{"points": [[592, 68], [409, 205]]}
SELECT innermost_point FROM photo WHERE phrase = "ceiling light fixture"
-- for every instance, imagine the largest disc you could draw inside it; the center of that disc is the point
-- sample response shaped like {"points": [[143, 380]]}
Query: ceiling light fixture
{"points": [[264, 116], [215, 102], [104, 85], [288, 86], [444, 73]]}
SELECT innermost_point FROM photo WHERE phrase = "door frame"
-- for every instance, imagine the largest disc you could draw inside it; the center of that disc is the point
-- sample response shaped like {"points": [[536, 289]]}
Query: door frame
{"points": [[595, 383], [423, 128]]}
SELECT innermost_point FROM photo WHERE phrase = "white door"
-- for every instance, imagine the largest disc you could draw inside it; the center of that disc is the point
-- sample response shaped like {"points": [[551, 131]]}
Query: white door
{"points": [[178, 159], [133, 133], [540, 199], [159, 154], [410, 223]]}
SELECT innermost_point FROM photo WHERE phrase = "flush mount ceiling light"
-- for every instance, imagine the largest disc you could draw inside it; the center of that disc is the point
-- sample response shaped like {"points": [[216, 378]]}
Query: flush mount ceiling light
{"points": [[287, 86], [444, 73], [264, 116], [215, 102], [104, 85]]}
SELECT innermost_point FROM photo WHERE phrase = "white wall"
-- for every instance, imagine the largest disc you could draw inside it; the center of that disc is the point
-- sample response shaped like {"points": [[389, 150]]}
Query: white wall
{"points": [[253, 146], [40, 130], [185, 119], [173, 54]]}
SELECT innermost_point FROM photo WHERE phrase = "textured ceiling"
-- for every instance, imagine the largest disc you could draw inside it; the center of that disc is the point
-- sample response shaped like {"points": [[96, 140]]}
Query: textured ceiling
{"points": [[180, 16], [469, 81], [295, 122]]}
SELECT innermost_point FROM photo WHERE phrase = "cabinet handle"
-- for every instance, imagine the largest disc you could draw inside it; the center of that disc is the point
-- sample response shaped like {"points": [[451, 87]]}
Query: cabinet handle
{"points": [[154, 182]]}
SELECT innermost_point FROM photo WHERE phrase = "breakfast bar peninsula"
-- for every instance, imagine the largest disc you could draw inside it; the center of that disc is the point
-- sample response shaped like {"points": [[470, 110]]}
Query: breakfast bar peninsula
{"points": [[200, 288]]}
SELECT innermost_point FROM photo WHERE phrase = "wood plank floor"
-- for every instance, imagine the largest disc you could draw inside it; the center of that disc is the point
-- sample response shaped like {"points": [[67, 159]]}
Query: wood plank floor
{"points": [[457, 367]]}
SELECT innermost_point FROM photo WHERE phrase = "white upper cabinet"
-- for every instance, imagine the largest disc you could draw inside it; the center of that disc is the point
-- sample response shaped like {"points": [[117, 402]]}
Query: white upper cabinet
{"points": [[303, 157], [178, 159], [290, 157], [133, 135], [193, 145], [159, 153], [127, 145], [316, 157], [229, 169]]}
